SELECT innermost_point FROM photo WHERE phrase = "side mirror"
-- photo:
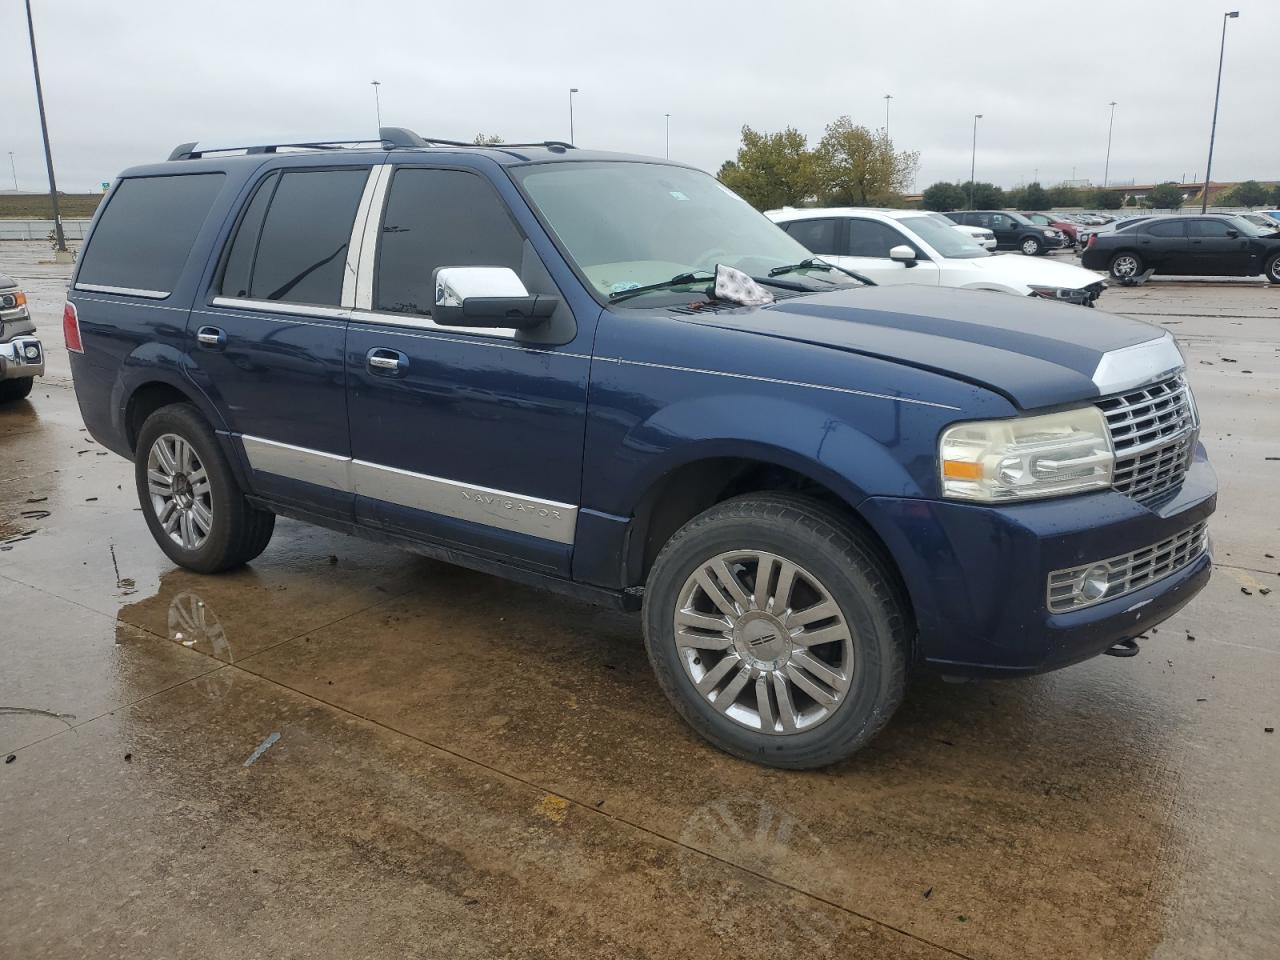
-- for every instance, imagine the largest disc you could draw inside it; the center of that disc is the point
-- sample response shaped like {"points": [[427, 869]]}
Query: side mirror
{"points": [[1233, 233], [903, 254], [487, 297]]}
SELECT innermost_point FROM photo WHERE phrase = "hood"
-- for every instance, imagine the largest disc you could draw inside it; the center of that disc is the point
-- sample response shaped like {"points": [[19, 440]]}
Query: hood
{"points": [[1033, 352], [6, 282], [1039, 271]]}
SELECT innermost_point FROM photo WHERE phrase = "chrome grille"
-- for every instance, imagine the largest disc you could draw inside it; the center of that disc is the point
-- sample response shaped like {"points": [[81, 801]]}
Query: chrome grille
{"points": [[1153, 430], [1126, 573]]}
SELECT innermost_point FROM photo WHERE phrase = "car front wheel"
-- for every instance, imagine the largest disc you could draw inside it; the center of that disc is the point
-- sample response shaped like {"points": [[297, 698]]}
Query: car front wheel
{"points": [[1031, 246], [1273, 269], [1125, 265], [776, 631]]}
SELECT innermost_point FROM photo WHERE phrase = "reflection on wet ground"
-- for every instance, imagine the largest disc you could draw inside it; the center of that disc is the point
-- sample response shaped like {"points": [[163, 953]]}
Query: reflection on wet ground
{"points": [[344, 750]]}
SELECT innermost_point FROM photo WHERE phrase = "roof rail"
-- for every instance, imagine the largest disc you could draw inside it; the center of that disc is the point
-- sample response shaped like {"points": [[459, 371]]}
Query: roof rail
{"points": [[389, 138]]}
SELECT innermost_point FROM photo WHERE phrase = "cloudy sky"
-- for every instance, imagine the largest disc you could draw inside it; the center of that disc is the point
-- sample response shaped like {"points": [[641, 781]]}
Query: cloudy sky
{"points": [[126, 81]]}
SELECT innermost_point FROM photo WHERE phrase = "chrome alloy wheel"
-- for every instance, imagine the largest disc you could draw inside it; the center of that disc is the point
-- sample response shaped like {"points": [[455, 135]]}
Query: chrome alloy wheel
{"points": [[180, 492], [1125, 265], [1029, 247], [764, 642]]}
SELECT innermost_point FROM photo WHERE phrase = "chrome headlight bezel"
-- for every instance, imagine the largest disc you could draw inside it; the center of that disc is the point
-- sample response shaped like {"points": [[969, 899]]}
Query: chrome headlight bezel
{"points": [[1026, 458]]}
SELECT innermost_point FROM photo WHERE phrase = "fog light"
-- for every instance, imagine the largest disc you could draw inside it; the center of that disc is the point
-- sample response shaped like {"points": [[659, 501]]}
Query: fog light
{"points": [[32, 352], [1094, 582]]}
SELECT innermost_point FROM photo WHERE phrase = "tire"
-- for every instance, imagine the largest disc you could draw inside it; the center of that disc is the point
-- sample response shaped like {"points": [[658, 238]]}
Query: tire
{"points": [[1124, 265], [1273, 269], [204, 524], [746, 666], [1031, 246], [11, 390]]}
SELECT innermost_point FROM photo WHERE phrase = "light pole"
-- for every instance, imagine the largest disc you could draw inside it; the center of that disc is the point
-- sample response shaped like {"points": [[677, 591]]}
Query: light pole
{"points": [[48, 153], [887, 98], [973, 159], [572, 91], [1208, 167], [1106, 171], [14, 170], [668, 116], [377, 102]]}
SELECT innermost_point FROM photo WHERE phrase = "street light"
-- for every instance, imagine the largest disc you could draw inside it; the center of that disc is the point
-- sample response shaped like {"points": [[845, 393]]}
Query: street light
{"points": [[1106, 171], [973, 159], [377, 102], [61, 249], [668, 116], [1208, 167], [572, 91], [887, 98]]}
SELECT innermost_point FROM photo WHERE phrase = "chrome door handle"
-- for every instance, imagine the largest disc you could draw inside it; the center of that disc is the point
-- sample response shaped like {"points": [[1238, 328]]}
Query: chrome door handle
{"points": [[386, 363], [211, 337]]}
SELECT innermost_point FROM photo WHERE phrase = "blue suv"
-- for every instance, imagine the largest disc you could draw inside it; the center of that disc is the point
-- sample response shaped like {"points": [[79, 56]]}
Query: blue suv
{"points": [[610, 376]]}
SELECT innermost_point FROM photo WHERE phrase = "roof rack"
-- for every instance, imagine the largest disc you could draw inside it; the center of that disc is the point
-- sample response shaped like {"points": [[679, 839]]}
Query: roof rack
{"points": [[389, 138]]}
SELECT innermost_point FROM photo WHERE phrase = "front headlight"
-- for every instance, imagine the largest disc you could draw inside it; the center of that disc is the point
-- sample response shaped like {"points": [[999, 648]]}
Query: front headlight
{"points": [[1050, 233], [1026, 458]]}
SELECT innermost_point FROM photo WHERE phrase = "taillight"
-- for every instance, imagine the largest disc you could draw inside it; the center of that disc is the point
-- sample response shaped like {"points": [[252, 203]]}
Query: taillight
{"points": [[71, 328], [1092, 237]]}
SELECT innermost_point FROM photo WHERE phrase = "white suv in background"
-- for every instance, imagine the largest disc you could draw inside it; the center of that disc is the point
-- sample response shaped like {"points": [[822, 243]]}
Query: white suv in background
{"points": [[916, 246], [980, 235]]}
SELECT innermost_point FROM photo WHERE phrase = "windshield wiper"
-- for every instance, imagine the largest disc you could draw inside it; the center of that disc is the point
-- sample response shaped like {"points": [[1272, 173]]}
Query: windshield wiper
{"points": [[813, 263], [679, 280]]}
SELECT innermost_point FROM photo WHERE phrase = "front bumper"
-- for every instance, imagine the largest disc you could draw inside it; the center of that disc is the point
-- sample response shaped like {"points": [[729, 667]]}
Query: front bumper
{"points": [[17, 360], [977, 575]]}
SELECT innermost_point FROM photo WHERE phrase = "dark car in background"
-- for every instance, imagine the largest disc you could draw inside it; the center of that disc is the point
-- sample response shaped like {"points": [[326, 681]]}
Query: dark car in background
{"points": [[1065, 226], [1013, 231], [1197, 246]]}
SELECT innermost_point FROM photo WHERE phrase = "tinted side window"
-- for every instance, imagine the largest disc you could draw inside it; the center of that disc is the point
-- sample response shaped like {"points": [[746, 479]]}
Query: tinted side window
{"points": [[1167, 228], [1207, 228], [439, 218], [867, 238], [239, 269], [1000, 222], [819, 236], [302, 251], [145, 234]]}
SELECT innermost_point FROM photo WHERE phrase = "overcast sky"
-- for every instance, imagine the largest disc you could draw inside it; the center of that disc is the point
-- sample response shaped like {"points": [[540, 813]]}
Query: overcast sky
{"points": [[126, 81]]}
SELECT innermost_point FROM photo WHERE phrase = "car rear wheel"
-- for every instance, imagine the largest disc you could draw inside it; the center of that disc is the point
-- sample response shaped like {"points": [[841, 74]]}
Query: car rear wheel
{"points": [[1273, 269], [1031, 246], [1125, 265], [775, 630], [194, 507], [11, 390]]}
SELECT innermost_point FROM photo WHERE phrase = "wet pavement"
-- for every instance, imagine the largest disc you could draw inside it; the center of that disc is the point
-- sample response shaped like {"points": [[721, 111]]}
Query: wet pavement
{"points": [[344, 750]]}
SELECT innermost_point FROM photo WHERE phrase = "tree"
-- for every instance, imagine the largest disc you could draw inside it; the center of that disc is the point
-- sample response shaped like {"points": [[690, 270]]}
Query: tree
{"points": [[1103, 199], [772, 169], [1250, 194], [943, 196], [856, 167], [1064, 196], [1131, 201], [486, 139], [986, 196], [1275, 195], [1165, 196], [1035, 197]]}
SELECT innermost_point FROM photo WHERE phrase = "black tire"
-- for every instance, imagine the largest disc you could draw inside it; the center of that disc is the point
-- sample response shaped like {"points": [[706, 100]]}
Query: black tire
{"points": [[1273, 269], [1124, 265], [827, 549], [238, 531], [1031, 246], [11, 390]]}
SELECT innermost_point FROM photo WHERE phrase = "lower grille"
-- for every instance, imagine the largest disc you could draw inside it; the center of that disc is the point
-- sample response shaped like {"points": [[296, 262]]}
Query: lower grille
{"points": [[1153, 431], [1092, 583]]}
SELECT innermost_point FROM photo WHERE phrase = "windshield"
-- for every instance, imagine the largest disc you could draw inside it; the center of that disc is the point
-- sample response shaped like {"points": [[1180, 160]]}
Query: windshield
{"points": [[1018, 218], [1247, 227], [626, 225], [946, 239]]}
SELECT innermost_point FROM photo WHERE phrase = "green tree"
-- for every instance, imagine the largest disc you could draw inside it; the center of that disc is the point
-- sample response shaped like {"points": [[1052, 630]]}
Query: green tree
{"points": [[1131, 201], [772, 169], [1165, 196], [1275, 195], [942, 196], [1103, 199], [986, 196], [1016, 198], [1035, 197], [856, 167], [1249, 194], [1064, 196], [486, 139]]}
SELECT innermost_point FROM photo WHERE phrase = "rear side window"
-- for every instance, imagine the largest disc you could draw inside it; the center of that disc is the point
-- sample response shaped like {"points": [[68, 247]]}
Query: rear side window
{"points": [[1167, 228], [291, 244], [439, 218], [145, 234], [819, 236]]}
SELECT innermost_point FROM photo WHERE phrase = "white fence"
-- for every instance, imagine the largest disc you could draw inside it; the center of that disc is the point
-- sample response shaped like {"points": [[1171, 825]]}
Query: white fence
{"points": [[39, 229]]}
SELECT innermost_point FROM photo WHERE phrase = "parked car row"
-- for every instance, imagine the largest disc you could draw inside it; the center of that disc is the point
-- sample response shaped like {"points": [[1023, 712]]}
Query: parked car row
{"points": [[21, 352], [1013, 231]]}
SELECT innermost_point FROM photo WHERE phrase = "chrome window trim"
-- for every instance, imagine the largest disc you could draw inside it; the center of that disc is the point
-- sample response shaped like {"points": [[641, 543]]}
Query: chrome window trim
{"points": [[1128, 368], [420, 322], [359, 246], [518, 513], [371, 230], [125, 291], [149, 306], [275, 306]]}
